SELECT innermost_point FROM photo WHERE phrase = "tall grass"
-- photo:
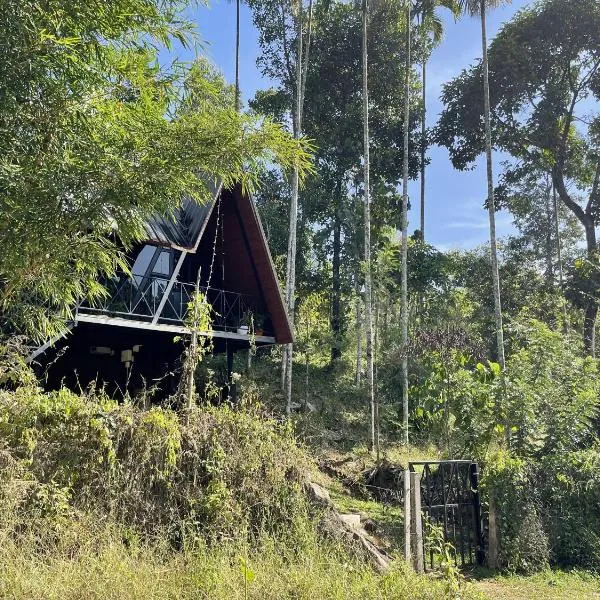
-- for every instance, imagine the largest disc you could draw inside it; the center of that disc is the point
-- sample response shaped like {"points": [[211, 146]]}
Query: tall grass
{"points": [[106, 564], [105, 500]]}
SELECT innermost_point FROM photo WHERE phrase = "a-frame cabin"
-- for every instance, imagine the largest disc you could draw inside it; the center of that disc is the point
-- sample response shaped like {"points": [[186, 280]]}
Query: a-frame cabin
{"points": [[127, 341]]}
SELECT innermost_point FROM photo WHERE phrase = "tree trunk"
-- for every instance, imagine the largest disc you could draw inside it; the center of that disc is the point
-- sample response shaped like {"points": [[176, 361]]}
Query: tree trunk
{"points": [[376, 344], [559, 259], [237, 56], [336, 288], [586, 218], [290, 287], [404, 226], [358, 315], [490, 184], [589, 328], [423, 143], [549, 250], [591, 310], [367, 225]]}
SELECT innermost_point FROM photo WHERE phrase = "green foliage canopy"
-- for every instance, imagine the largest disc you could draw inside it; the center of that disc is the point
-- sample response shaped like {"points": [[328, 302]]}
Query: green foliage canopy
{"points": [[95, 136], [543, 65]]}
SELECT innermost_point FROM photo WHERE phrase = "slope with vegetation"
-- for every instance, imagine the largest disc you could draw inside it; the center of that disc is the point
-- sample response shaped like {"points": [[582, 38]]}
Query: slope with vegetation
{"points": [[99, 498]]}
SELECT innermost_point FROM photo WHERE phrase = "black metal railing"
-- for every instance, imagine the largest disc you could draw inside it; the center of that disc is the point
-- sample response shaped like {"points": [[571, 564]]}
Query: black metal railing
{"points": [[140, 297]]}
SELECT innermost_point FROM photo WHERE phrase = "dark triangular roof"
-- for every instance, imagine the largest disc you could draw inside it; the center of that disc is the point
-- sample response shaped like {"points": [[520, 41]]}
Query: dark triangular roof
{"points": [[183, 229]]}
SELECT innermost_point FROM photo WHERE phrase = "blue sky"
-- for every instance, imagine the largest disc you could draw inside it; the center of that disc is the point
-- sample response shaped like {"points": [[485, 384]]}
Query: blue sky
{"points": [[455, 217]]}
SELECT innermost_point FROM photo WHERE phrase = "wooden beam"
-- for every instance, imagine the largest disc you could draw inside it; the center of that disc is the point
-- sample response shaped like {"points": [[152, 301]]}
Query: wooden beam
{"points": [[48, 344], [180, 329]]}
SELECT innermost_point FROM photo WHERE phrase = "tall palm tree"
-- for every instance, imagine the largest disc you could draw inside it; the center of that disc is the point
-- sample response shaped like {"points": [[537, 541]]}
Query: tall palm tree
{"points": [[429, 17], [367, 225], [237, 55], [237, 100], [302, 56], [432, 30], [404, 227], [479, 8]]}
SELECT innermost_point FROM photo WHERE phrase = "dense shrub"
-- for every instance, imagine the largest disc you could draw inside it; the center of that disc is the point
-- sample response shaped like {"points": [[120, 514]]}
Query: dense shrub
{"points": [[93, 495], [570, 488], [107, 563], [552, 392], [522, 542], [227, 474], [547, 510], [548, 396]]}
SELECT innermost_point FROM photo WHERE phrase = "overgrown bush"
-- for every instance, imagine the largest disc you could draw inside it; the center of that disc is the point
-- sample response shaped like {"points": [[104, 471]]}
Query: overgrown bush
{"points": [[228, 474], [570, 488], [547, 511], [99, 499], [552, 392], [509, 484]]}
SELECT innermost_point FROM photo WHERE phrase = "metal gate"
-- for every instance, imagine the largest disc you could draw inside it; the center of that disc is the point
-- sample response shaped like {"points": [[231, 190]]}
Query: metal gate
{"points": [[450, 500]]}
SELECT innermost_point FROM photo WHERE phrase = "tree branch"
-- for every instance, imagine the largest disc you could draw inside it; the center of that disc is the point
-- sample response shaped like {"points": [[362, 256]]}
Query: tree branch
{"points": [[595, 191], [559, 184]]}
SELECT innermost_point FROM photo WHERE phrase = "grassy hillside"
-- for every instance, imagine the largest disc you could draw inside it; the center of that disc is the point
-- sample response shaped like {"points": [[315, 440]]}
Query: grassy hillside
{"points": [[106, 500]]}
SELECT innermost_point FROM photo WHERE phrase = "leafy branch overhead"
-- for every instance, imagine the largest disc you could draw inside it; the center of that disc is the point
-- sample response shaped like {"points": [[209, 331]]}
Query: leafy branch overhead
{"points": [[97, 136]]}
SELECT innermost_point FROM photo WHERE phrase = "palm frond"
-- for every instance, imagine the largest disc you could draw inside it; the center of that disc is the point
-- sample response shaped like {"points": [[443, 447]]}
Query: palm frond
{"points": [[436, 26], [473, 7], [427, 11]]}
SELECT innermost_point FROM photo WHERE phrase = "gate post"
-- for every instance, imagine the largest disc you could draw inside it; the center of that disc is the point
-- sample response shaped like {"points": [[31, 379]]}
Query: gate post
{"points": [[480, 552], [417, 521], [493, 537], [407, 527]]}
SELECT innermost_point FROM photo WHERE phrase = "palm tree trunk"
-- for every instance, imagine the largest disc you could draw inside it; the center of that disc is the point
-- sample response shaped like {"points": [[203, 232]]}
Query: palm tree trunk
{"points": [[404, 226], [367, 225], [306, 55], [336, 279], [423, 143], [490, 184], [358, 324], [237, 56], [290, 287]]}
